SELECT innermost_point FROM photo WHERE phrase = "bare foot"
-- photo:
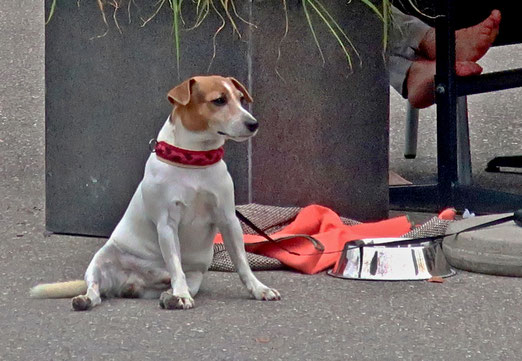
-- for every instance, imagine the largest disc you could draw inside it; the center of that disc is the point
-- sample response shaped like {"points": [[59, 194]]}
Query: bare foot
{"points": [[420, 80], [470, 43], [473, 42]]}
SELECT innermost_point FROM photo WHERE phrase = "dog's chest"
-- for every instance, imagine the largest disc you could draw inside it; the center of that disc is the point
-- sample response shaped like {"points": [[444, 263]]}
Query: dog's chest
{"points": [[198, 208], [197, 229], [196, 194]]}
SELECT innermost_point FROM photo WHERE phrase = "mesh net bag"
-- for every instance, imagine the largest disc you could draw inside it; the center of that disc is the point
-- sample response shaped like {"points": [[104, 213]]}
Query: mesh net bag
{"points": [[272, 219]]}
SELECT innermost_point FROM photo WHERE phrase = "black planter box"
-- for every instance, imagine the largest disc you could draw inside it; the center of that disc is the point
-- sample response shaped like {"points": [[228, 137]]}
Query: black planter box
{"points": [[324, 131]]}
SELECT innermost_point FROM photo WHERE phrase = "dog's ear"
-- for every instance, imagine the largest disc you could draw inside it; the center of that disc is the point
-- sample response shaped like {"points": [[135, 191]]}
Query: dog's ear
{"points": [[242, 89], [180, 95]]}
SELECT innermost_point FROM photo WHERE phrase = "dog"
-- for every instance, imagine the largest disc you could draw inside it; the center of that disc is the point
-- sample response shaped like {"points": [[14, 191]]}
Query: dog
{"points": [[164, 243]]}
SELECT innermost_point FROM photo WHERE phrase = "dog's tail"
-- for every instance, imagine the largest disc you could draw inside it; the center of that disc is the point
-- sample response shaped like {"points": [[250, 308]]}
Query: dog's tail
{"points": [[59, 289]]}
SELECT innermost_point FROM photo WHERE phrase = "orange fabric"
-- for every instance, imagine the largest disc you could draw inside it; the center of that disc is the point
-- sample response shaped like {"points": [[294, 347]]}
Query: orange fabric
{"points": [[448, 214], [325, 225]]}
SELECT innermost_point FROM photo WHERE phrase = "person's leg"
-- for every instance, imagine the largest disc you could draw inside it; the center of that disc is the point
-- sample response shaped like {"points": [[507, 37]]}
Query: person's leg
{"points": [[420, 80], [406, 34]]}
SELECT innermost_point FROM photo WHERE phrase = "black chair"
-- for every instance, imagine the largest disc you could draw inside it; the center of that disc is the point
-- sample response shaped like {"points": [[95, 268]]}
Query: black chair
{"points": [[450, 190]]}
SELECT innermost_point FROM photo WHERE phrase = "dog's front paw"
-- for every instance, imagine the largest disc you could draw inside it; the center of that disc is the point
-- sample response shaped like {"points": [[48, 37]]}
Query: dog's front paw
{"points": [[171, 302], [266, 294], [81, 303]]}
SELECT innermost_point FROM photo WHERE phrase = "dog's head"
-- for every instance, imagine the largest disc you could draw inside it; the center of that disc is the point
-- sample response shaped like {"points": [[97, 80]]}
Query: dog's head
{"points": [[214, 104]]}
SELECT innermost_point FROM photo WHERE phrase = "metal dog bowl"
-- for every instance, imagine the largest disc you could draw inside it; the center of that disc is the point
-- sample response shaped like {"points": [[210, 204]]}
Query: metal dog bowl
{"points": [[403, 259]]}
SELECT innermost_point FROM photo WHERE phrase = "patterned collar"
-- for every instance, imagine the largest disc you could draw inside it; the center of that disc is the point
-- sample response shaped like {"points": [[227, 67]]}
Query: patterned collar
{"points": [[188, 158]]}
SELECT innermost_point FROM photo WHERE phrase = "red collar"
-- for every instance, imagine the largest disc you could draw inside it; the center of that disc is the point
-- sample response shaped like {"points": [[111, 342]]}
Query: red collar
{"points": [[185, 157]]}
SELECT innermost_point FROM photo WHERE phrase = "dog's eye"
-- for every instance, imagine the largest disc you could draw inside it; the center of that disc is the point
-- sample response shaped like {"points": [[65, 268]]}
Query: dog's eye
{"points": [[220, 101]]}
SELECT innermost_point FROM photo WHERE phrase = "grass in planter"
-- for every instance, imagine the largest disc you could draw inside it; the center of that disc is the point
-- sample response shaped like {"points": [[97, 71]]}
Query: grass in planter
{"points": [[175, 5], [333, 26], [315, 13], [51, 12], [310, 8]]}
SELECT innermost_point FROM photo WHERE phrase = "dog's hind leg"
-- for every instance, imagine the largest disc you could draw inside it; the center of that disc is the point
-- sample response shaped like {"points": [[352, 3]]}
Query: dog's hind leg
{"points": [[92, 298], [89, 300], [93, 278]]}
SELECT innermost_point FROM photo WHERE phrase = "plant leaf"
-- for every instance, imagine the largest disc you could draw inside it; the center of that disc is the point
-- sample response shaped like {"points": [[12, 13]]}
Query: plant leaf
{"points": [[51, 12], [311, 26], [333, 31]]}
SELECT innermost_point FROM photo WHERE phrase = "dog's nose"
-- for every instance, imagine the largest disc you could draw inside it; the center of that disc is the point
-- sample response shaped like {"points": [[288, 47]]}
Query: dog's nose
{"points": [[252, 125]]}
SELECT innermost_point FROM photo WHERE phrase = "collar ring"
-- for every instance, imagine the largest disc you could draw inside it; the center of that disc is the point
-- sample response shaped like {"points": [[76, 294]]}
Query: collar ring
{"points": [[152, 145]]}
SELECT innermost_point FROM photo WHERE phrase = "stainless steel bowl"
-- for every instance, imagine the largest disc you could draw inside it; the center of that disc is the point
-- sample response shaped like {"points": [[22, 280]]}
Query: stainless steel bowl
{"points": [[405, 260]]}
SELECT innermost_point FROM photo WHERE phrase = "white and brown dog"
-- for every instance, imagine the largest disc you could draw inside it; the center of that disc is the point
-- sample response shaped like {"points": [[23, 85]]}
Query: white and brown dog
{"points": [[164, 243]]}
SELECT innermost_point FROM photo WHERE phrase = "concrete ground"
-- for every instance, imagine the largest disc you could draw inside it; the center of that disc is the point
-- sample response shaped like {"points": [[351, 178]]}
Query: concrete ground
{"points": [[469, 316]]}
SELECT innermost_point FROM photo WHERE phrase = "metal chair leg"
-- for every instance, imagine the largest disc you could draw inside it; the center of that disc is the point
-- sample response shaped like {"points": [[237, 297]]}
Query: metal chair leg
{"points": [[463, 144], [412, 126]]}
